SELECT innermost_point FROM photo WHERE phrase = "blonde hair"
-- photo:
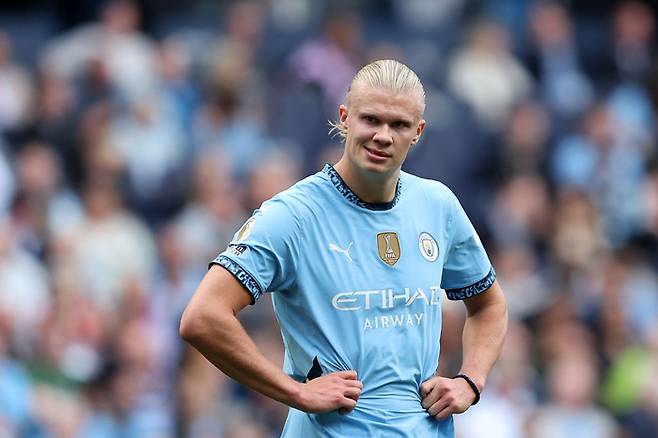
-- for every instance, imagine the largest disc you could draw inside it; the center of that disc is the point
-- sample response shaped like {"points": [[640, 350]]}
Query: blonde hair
{"points": [[384, 73]]}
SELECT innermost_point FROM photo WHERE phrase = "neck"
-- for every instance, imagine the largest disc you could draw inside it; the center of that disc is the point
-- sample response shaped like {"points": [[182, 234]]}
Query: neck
{"points": [[370, 187]]}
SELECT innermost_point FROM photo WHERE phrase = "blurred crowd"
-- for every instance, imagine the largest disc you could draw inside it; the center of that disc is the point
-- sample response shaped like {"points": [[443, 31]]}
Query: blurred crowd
{"points": [[133, 144]]}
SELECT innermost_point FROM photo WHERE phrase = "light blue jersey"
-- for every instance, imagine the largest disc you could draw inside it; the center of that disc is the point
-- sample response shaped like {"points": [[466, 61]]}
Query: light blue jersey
{"points": [[359, 287]]}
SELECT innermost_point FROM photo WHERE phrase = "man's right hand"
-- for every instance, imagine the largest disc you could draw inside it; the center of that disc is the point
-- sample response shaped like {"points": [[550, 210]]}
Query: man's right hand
{"points": [[330, 392], [209, 324]]}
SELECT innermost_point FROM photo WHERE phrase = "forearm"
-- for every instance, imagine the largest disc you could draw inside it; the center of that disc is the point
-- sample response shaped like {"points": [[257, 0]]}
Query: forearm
{"points": [[210, 325], [483, 336], [226, 344]]}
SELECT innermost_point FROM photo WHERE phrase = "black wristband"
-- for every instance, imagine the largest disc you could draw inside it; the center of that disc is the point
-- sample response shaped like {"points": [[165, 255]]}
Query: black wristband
{"points": [[473, 386]]}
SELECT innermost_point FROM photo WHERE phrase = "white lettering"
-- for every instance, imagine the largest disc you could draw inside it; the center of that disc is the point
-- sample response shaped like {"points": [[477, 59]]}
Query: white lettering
{"points": [[366, 294], [393, 321], [419, 294], [397, 320], [370, 299], [343, 297], [436, 296], [404, 296], [383, 292]]}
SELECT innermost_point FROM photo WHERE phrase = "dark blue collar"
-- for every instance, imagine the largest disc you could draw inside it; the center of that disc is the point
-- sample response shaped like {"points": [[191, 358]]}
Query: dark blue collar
{"points": [[344, 190]]}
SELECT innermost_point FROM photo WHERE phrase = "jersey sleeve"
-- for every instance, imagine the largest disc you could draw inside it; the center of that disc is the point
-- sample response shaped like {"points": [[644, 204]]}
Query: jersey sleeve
{"points": [[261, 254], [467, 270]]}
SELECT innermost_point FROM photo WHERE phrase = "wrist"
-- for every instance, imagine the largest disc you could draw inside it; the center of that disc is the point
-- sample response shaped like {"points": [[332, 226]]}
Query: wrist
{"points": [[294, 395], [471, 383], [479, 381]]}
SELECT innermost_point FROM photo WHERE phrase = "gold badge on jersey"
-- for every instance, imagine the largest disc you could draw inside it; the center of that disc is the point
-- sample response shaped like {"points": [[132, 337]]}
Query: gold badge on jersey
{"points": [[245, 230], [388, 247]]}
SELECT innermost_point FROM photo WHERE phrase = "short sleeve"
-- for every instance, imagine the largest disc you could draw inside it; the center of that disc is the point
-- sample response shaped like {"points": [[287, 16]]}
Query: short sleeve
{"points": [[261, 254], [467, 270]]}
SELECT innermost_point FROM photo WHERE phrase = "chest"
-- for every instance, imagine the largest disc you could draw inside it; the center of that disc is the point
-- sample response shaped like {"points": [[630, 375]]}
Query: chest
{"points": [[367, 260]]}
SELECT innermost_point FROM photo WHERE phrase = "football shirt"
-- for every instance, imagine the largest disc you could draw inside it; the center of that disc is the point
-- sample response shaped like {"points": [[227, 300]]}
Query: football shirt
{"points": [[359, 286]]}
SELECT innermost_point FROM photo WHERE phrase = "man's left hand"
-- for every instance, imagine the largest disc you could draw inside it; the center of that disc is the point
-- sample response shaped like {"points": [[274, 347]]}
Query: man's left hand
{"points": [[443, 397]]}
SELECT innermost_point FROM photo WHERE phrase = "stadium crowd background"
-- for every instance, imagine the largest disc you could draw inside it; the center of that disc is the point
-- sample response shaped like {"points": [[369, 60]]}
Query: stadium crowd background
{"points": [[135, 139]]}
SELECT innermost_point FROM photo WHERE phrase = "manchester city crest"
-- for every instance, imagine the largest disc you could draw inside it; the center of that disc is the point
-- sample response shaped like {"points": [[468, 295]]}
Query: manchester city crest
{"points": [[428, 247], [388, 247]]}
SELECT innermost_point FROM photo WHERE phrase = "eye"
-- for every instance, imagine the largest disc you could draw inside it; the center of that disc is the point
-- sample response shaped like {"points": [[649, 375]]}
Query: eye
{"points": [[400, 125], [370, 119]]}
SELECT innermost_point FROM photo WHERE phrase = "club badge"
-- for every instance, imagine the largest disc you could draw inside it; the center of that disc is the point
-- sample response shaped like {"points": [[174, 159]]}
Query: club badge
{"points": [[428, 247]]}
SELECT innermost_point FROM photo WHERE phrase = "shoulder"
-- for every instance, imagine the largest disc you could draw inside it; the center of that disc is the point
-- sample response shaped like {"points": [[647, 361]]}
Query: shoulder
{"points": [[315, 183], [295, 204], [434, 191]]}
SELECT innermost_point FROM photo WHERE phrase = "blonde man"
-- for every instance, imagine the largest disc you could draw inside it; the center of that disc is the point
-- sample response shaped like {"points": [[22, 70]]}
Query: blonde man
{"points": [[358, 258]]}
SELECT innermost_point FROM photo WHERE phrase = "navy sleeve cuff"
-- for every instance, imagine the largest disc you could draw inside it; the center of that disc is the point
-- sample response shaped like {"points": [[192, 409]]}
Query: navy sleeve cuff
{"points": [[474, 289], [244, 277]]}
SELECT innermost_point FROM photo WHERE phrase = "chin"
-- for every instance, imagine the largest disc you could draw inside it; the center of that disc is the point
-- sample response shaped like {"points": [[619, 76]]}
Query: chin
{"points": [[376, 168]]}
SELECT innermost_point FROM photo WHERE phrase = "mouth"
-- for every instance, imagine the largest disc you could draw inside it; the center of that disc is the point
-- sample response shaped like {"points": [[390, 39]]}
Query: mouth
{"points": [[376, 155]]}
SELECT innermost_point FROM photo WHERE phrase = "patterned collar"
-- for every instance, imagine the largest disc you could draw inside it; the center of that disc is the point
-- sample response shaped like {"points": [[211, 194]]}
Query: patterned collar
{"points": [[344, 190]]}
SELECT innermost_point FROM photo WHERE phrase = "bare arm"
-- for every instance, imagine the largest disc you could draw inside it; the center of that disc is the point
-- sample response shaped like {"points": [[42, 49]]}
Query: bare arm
{"points": [[210, 325], [484, 333], [483, 336]]}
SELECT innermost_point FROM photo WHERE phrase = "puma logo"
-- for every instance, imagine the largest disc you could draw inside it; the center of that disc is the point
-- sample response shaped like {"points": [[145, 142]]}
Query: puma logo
{"points": [[346, 251]]}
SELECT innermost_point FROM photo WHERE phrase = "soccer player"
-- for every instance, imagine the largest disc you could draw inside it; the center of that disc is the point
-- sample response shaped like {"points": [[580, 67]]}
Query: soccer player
{"points": [[359, 258]]}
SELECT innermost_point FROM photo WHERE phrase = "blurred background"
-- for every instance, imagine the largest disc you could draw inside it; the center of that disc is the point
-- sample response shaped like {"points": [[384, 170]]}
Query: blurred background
{"points": [[135, 137]]}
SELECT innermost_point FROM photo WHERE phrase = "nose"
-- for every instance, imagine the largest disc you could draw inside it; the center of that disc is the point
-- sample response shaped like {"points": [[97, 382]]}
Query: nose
{"points": [[383, 135]]}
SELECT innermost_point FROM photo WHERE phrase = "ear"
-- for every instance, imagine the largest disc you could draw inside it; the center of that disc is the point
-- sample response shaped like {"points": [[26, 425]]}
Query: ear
{"points": [[419, 131], [342, 114]]}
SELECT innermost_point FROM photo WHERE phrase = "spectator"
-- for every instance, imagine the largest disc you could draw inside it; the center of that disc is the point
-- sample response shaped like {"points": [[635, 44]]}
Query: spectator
{"points": [[111, 249], [16, 89], [565, 87], [571, 411], [486, 75], [25, 295], [115, 43]]}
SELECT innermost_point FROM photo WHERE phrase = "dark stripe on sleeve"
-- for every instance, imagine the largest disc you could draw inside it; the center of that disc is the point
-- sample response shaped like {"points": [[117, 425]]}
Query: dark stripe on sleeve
{"points": [[241, 275], [474, 289]]}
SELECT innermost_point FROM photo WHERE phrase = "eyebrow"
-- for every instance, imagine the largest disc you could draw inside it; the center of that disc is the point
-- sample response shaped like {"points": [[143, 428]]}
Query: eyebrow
{"points": [[395, 119]]}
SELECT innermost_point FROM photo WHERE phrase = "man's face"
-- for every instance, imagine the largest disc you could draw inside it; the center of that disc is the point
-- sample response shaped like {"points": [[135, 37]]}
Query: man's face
{"points": [[381, 127]]}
